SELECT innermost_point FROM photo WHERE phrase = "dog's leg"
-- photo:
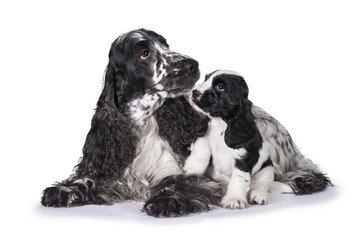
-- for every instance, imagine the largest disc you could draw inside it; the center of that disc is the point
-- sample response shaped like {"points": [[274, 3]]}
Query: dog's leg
{"points": [[260, 183], [83, 191], [70, 193], [238, 186], [183, 194], [292, 167]]}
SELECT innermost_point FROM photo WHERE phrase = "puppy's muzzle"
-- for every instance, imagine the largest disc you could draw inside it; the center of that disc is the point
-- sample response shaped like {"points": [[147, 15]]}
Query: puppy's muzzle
{"points": [[196, 94]]}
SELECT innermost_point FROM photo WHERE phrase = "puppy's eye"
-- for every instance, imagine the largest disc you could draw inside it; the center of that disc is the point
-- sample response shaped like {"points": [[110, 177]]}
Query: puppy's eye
{"points": [[145, 54], [220, 87]]}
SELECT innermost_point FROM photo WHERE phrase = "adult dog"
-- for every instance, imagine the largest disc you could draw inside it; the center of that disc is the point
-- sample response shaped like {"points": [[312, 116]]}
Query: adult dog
{"points": [[142, 131]]}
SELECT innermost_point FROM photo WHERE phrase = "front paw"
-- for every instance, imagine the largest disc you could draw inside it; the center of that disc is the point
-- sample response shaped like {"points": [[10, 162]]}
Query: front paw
{"points": [[234, 202], [162, 206], [258, 197], [59, 197]]}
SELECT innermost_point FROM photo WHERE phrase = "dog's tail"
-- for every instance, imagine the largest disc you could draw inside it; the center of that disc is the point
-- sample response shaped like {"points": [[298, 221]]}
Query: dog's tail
{"points": [[291, 167]]}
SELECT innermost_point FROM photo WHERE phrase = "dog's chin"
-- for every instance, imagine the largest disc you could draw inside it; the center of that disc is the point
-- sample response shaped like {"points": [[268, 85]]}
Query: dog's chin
{"points": [[183, 88]]}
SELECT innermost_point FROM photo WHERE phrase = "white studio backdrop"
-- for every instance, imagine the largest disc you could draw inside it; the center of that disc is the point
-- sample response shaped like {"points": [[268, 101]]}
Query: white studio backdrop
{"points": [[298, 58]]}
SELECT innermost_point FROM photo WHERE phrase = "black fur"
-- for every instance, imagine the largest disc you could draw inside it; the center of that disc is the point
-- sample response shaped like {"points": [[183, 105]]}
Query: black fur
{"points": [[183, 130], [310, 182], [183, 194]]}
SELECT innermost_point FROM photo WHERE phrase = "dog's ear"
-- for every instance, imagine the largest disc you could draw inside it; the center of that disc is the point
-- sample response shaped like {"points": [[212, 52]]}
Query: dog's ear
{"points": [[114, 87], [242, 130], [110, 144]]}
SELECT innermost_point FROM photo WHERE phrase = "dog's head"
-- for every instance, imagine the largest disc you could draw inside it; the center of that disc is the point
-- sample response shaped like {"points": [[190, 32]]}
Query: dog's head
{"points": [[143, 71], [224, 94], [221, 94]]}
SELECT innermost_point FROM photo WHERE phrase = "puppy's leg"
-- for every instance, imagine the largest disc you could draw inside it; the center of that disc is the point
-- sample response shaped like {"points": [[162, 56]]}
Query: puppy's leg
{"points": [[260, 183], [199, 158], [238, 186]]}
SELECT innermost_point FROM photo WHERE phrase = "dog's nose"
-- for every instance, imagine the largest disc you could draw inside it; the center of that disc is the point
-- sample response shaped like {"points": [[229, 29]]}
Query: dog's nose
{"points": [[196, 94], [190, 66]]}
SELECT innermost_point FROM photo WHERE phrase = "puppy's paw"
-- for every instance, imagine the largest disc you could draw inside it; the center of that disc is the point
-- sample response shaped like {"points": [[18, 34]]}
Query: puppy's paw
{"points": [[258, 197], [234, 202]]}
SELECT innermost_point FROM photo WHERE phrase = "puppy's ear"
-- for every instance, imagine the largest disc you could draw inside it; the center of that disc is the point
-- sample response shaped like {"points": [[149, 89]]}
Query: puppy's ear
{"points": [[242, 130], [201, 127]]}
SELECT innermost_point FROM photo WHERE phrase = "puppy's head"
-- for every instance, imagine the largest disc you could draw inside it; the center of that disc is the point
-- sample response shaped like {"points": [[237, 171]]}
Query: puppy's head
{"points": [[224, 94], [221, 94]]}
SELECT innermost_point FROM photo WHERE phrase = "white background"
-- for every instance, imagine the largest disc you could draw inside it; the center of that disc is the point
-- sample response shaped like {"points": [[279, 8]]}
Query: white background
{"points": [[298, 58]]}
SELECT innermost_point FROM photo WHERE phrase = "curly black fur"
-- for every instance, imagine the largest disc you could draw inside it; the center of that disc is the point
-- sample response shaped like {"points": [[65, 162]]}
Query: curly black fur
{"points": [[181, 195], [105, 152], [70, 193], [180, 124], [310, 182]]}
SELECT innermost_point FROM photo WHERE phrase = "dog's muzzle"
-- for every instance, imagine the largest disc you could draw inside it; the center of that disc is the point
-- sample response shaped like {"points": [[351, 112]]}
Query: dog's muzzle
{"points": [[190, 66]]}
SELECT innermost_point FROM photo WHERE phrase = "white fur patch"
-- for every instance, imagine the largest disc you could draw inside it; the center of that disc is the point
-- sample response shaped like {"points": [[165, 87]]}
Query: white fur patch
{"points": [[260, 184], [199, 158], [207, 84], [160, 73], [142, 108], [154, 161], [236, 196]]}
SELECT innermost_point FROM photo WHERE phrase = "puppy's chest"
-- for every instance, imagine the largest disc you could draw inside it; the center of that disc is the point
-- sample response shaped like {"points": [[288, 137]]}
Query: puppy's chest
{"points": [[223, 156]]}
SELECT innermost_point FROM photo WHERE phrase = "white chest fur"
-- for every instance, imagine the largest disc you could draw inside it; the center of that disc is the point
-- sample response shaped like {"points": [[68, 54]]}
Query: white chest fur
{"points": [[224, 157], [213, 144], [155, 160]]}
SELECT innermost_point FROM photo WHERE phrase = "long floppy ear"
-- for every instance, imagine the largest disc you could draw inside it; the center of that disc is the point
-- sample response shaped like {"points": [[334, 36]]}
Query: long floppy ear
{"points": [[114, 88], [242, 130], [202, 127], [110, 144]]}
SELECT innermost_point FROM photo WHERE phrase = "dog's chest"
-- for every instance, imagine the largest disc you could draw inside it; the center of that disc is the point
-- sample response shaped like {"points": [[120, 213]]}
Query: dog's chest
{"points": [[223, 156]]}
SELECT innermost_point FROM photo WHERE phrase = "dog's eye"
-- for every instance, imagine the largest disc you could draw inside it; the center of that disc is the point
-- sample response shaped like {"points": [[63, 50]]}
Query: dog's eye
{"points": [[220, 87], [145, 54]]}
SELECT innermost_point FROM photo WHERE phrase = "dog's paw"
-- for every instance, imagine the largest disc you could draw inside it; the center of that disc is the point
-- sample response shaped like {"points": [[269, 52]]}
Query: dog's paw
{"points": [[258, 197], [173, 207], [59, 197], [234, 202]]}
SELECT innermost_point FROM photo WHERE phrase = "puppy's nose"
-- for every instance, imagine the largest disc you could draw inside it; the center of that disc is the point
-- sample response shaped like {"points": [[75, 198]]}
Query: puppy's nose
{"points": [[190, 66], [196, 94]]}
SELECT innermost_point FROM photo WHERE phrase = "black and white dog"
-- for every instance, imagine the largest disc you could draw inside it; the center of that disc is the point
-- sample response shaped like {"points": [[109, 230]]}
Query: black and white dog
{"points": [[142, 132], [233, 151], [239, 157], [131, 146]]}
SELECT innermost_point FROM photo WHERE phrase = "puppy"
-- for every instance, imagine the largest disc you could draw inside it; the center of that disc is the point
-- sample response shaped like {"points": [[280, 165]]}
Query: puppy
{"points": [[232, 151]]}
